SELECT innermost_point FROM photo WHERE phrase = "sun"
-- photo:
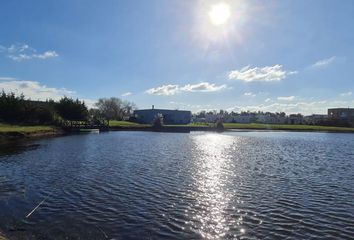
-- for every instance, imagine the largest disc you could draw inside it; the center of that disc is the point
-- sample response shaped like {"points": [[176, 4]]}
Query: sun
{"points": [[219, 14]]}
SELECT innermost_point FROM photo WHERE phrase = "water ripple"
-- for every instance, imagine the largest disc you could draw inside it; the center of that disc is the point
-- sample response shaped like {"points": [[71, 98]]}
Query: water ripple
{"points": [[139, 185]]}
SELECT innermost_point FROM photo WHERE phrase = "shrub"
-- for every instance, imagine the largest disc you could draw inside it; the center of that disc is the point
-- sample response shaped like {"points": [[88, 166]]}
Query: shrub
{"points": [[158, 121], [219, 125]]}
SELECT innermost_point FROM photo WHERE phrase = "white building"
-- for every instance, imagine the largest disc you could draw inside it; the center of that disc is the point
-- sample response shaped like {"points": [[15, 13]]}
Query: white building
{"points": [[271, 119], [238, 119]]}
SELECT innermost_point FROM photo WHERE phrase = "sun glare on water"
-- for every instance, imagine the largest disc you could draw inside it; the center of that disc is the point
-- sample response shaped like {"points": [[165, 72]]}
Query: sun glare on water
{"points": [[219, 14]]}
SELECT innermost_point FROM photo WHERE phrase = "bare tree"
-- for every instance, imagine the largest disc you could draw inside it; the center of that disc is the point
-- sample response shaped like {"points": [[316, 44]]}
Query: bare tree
{"points": [[110, 108], [129, 107], [114, 108]]}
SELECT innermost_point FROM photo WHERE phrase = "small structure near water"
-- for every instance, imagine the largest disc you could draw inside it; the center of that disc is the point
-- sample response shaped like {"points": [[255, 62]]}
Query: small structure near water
{"points": [[147, 116], [77, 126]]}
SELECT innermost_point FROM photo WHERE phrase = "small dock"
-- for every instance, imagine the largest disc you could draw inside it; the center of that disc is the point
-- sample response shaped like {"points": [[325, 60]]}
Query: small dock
{"points": [[77, 126]]}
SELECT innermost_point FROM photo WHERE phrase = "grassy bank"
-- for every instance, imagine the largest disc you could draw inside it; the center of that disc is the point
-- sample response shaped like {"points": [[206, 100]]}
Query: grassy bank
{"points": [[259, 126], [5, 128], [9, 132], [245, 126], [126, 124], [35, 131]]}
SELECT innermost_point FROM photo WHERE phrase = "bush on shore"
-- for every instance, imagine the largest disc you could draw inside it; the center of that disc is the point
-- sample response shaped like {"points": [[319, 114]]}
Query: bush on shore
{"points": [[18, 110]]}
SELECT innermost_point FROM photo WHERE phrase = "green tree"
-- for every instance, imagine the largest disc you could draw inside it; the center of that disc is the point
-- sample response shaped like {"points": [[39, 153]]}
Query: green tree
{"points": [[12, 107], [72, 110]]}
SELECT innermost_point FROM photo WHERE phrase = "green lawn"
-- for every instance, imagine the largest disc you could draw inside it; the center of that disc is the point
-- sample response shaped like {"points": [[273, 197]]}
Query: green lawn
{"points": [[24, 129], [285, 127], [114, 123], [258, 126], [189, 125], [4, 128]]}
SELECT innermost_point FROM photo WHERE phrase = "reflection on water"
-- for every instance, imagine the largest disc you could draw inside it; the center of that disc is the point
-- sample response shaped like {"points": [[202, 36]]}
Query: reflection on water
{"points": [[134, 185], [213, 195], [16, 147]]}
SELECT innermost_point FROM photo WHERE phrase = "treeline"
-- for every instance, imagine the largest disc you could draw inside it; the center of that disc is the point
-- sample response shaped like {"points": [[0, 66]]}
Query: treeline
{"points": [[15, 109], [18, 110]]}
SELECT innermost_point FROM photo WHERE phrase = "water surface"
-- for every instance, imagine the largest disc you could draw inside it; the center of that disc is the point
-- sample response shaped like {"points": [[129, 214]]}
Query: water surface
{"points": [[145, 185]]}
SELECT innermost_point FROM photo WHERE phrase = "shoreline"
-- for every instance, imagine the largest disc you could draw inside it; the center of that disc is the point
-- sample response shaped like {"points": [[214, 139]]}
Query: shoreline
{"points": [[13, 135], [19, 135], [182, 129]]}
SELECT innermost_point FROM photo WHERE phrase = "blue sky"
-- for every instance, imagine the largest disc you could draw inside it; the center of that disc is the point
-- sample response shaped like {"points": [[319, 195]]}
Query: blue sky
{"points": [[292, 56]]}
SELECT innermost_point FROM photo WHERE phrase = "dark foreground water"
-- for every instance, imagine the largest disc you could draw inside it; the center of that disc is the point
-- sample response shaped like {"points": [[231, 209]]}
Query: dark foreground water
{"points": [[143, 185]]}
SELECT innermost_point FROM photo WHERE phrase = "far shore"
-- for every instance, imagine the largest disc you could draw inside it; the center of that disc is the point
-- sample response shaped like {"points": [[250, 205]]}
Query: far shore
{"points": [[13, 132]]}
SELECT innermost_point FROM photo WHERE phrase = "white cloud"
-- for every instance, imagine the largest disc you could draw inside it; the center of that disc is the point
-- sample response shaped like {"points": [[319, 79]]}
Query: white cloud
{"points": [[22, 52], [45, 55], [32, 89], [249, 94], [290, 98], [268, 100], [203, 87], [266, 74], [346, 94], [19, 57], [323, 62], [166, 90], [169, 90], [126, 94], [90, 103]]}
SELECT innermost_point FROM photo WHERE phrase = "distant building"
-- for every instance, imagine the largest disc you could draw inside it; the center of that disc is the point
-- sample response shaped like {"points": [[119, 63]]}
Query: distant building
{"points": [[316, 119], [271, 119], [341, 115], [295, 119], [198, 119], [147, 116], [239, 119], [212, 118]]}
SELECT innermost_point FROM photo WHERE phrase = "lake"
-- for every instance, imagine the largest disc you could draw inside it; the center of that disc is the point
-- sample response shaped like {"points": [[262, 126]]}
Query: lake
{"points": [[147, 185]]}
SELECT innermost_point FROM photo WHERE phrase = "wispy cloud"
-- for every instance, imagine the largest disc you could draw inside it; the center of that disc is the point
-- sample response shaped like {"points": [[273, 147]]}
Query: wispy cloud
{"points": [[346, 94], [165, 90], [126, 94], [33, 89], [265, 74], [249, 94], [203, 87], [323, 62], [172, 89], [22, 52], [289, 98]]}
